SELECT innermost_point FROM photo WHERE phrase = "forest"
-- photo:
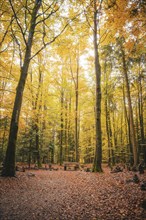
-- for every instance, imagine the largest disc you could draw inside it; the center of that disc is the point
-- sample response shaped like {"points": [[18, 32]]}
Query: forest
{"points": [[72, 82], [72, 109]]}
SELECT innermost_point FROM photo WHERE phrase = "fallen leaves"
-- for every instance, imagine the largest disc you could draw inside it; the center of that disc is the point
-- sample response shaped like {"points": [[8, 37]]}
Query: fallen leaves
{"points": [[71, 195]]}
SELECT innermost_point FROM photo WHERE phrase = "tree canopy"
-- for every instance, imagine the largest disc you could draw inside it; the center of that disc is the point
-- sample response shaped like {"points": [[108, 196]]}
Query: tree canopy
{"points": [[72, 76]]}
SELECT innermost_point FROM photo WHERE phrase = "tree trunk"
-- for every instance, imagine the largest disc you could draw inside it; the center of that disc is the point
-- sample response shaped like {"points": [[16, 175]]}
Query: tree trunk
{"points": [[98, 149], [76, 86], [9, 163], [140, 112], [76, 112], [132, 130], [38, 158], [69, 127], [114, 130], [61, 128], [107, 132], [66, 131], [108, 122], [106, 115], [37, 107], [4, 136], [127, 128]]}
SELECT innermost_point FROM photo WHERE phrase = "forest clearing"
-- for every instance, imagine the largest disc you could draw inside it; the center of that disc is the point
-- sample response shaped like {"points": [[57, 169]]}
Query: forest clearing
{"points": [[65, 195], [72, 93]]}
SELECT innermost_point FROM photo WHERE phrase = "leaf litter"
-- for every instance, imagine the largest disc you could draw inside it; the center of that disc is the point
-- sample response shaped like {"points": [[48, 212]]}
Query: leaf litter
{"points": [[71, 195]]}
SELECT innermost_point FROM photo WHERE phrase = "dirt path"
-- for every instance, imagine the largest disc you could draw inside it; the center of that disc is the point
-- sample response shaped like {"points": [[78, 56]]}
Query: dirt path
{"points": [[62, 195]]}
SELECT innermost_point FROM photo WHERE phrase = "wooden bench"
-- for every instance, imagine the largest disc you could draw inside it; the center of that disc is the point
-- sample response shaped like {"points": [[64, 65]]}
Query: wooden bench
{"points": [[71, 166]]}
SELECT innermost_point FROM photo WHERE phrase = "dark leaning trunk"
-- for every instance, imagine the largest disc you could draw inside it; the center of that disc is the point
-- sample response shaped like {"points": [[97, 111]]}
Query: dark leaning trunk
{"points": [[9, 163]]}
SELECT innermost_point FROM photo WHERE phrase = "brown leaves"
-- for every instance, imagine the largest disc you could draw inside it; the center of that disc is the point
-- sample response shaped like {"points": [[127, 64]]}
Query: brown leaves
{"points": [[71, 195]]}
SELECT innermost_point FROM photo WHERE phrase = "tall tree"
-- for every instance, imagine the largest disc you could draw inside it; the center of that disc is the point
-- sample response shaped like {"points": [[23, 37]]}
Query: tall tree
{"points": [[141, 107], [61, 125], [76, 86], [98, 149], [28, 37], [9, 163], [132, 129]]}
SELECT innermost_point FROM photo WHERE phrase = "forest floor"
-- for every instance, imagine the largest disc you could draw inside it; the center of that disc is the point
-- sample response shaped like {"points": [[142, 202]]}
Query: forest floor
{"points": [[71, 195]]}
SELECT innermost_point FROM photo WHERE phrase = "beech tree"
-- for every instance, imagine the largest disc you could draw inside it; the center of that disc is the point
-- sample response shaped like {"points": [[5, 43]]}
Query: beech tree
{"points": [[9, 163], [98, 149], [28, 37], [132, 129]]}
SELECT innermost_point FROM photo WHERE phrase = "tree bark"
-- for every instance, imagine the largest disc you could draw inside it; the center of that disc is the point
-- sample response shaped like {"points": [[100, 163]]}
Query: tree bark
{"points": [[69, 127], [130, 152], [76, 112], [9, 163], [4, 137], [132, 130], [61, 128], [76, 86], [108, 120], [98, 149], [37, 107], [140, 112], [66, 131]]}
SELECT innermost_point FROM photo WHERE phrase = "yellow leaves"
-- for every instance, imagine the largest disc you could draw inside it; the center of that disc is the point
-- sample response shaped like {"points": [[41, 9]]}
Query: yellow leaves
{"points": [[140, 49], [130, 45]]}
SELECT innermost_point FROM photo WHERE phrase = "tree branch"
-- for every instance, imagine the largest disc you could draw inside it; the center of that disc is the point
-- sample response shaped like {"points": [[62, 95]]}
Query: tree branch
{"points": [[18, 22], [50, 42]]}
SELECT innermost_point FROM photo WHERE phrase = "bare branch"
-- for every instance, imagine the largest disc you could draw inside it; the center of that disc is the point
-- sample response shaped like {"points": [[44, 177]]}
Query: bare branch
{"points": [[88, 21], [19, 46], [6, 47], [45, 10], [103, 37], [45, 18], [6, 32], [18, 22], [50, 42]]}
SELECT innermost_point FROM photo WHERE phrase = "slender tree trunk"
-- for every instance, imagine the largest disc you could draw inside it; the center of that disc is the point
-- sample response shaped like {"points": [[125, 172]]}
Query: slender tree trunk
{"points": [[9, 164], [140, 112], [37, 107], [76, 112], [111, 139], [107, 132], [137, 131], [30, 148], [4, 136], [69, 127], [108, 128], [132, 130], [61, 128], [98, 149], [66, 131], [38, 158], [127, 128], [106, 115], [111, 142], [114, 129], [76, 86], [121, 131], [78, 135]]}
